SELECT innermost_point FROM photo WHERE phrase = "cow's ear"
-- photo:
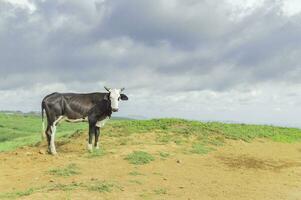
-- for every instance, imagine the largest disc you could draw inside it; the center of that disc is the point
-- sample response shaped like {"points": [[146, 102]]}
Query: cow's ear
{"points": [[106, 97], [123, 97]]}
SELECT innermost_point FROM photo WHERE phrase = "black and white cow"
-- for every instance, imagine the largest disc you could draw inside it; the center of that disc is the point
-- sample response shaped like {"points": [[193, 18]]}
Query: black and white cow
{"points": [[95, 108]]}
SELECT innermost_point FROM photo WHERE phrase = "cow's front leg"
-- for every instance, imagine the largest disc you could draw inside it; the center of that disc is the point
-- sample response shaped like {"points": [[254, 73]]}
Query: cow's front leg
{"points": [[91, 133], [97, 132], [52, 139], [48, 134]]}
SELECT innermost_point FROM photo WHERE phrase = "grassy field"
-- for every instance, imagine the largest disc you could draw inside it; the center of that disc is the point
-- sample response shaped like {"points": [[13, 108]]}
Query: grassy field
{"points": [[19, 130], [150, 159]]}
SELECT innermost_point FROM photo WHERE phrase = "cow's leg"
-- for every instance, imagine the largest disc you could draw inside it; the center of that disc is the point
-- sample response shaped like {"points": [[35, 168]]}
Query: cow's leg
{"points": [[48, 134], [97, 132], [91, 133], [53, 132], [52, 145]]}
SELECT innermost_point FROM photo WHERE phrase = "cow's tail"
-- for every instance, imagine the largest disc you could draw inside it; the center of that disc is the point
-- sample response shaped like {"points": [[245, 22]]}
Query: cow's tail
{"points": [[43, 124]]}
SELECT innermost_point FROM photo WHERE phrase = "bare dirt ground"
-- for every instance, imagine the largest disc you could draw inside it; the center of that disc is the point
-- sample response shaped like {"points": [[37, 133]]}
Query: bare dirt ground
{"points": [[238, 170]]}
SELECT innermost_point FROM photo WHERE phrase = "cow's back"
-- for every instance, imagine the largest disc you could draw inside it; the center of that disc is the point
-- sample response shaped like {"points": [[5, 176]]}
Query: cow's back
{"points": [[72, 105]]}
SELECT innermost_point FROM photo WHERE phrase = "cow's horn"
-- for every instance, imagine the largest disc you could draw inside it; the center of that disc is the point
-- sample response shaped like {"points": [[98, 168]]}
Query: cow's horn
{"points": [[108, 89]]}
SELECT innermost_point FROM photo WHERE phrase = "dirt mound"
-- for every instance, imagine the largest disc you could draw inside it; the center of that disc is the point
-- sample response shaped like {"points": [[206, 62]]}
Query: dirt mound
{"points": [[237, 170], [247, 162]]}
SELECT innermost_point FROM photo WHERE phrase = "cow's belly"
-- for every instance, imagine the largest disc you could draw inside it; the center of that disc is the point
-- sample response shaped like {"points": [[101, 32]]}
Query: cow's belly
{"points": [[76, 120], [99, 123]]}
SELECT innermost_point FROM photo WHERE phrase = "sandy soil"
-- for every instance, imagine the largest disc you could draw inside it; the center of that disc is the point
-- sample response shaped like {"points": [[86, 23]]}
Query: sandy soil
{"points": [[238, 170]]}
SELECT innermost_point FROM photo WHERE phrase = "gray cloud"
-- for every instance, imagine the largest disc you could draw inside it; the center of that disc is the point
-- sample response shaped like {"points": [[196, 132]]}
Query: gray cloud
{"points": [[161, 47]]}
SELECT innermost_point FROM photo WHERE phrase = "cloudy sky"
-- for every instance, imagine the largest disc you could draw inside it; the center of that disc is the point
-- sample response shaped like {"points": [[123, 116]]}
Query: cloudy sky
{"points": [[222, 60]]}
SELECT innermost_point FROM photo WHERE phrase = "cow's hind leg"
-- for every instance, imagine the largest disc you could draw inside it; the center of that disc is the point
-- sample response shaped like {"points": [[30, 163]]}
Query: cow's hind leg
{"points": [[97, 132]]}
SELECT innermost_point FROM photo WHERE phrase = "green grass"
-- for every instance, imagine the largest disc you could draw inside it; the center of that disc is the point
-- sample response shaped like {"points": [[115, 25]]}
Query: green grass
{"points": [[96, 153], [101, 186], [98, 186], [136, 182], [168, 129], [200, 148], [164, 154], [44, 188], [160, 191], [16, 194], [19, 130], [135, 173], [69, 170], [139, 158]]}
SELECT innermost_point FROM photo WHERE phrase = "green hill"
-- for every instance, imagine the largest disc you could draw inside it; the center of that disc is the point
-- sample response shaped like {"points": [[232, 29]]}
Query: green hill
{"points": [[18, 130]]}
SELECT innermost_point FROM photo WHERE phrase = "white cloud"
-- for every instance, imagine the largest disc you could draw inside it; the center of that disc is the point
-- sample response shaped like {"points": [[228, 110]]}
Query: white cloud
{"points": [[291, 7], [24, 4], [243, 8]]}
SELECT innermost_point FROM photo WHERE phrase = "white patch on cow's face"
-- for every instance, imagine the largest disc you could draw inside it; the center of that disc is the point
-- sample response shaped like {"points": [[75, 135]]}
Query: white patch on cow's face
{"points": [[114, 97]]}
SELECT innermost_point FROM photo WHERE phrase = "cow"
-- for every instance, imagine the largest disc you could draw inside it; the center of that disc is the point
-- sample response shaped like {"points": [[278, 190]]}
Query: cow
{"points": [[94, 108]]}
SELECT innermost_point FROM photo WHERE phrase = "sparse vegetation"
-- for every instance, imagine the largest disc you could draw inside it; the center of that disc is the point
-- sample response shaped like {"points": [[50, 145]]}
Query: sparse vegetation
{"points": [[135, 182], [45, 188], [16, 194], [200, 148], [157, 173], [164, 154], [96, 153], [98, 186], [101, 186], [69, 170], [139, 158], [160, 191], [135, 173]]}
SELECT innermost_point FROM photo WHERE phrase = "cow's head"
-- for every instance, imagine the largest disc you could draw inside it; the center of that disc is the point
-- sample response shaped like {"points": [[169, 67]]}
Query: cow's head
{"points": [[115, 95]]}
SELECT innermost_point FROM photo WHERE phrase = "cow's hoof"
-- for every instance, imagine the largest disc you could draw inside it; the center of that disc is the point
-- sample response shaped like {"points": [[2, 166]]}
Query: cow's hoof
{"points": [[48, 151], [90, 148], [54, 153]]}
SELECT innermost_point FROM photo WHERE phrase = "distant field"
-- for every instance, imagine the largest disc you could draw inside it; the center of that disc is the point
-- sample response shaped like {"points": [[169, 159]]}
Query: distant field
{"points": [[18, 130]]}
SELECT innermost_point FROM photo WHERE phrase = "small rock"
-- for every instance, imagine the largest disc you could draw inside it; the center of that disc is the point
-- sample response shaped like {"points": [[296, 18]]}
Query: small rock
{"points": [[28, 153], [178, 161], [42, 151], [165, 179], [16, 153], [93, 179], [51, 180]]}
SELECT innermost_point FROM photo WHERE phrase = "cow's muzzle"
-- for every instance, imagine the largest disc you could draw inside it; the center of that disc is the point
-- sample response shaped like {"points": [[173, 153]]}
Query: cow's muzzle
{"points": [[115, 109]]}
